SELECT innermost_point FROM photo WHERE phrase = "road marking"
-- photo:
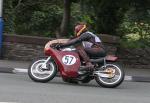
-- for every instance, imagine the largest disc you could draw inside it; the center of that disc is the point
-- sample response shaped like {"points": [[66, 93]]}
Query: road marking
{"points": [[20, 70], [8, 102], [128, 78]]}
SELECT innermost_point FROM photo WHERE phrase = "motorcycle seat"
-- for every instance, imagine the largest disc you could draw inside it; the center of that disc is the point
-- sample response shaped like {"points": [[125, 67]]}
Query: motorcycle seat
{"points": [[96, 57], [97, 60], [101, 59]]}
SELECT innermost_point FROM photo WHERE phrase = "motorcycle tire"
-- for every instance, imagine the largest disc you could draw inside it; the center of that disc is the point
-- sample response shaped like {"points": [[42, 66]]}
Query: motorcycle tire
{"points": [[36, 64], [102, 83]]}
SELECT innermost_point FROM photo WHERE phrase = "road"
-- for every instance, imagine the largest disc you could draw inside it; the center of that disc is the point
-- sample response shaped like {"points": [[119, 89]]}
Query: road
{"points": [[18, 88]]}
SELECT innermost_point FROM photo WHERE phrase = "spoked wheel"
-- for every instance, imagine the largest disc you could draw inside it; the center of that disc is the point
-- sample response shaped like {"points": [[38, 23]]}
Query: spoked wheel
{"points": [[39, 73], [109, 76]]}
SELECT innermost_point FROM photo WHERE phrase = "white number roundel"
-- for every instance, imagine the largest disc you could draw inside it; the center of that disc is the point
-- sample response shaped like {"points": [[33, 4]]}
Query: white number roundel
{"points": [[69, 59]]}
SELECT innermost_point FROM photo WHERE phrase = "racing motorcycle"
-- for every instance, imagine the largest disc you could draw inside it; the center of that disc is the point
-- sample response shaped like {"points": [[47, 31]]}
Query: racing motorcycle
{"points": [[67, 63]]}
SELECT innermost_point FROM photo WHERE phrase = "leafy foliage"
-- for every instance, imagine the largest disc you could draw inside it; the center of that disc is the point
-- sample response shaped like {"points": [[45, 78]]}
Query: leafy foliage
{"points": [[45, 21], [107, 15], [138, 35], [32, 17], [135, 27], [43, 17]]}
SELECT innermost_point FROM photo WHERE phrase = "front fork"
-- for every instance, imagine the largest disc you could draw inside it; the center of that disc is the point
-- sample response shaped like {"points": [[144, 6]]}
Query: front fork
{"points": [[45, 64]]}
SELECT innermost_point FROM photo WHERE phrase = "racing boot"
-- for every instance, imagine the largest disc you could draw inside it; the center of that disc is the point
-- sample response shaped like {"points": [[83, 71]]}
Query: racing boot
{"points": [[89, 66]]}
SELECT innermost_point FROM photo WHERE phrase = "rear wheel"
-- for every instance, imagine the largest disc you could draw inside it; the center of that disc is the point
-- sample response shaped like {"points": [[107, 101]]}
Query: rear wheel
{"points": [[109, 76], [39, 74]]}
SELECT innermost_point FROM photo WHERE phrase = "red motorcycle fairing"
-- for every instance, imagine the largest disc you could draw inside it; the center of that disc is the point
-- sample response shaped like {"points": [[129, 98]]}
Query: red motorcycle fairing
{"points": [[68, 62]]}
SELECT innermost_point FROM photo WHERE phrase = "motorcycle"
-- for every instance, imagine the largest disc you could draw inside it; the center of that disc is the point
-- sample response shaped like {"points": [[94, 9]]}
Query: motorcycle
{"points": [[67, 63]]}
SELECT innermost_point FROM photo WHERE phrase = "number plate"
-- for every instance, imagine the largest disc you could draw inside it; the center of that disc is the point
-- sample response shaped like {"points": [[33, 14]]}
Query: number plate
{"points": [[69, 59]]}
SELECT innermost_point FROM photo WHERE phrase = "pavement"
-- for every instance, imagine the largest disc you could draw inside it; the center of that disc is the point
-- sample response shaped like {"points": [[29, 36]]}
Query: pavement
{"points": [[132, 74]]}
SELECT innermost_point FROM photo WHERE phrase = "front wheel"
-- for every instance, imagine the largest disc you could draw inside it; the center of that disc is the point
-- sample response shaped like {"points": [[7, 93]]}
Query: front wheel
{"points": [[109, 76], [39, 74]]}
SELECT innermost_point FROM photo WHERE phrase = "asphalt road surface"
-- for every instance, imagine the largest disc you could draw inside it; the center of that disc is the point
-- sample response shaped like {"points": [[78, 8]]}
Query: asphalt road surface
{"points": [[18, 88]]}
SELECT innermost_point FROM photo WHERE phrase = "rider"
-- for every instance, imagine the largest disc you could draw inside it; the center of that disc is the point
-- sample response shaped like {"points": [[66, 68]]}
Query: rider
{"points": [[87, 44]]}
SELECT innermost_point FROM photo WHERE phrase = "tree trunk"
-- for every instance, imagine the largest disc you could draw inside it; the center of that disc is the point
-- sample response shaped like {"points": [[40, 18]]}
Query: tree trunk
{"points": [[66, 18]]}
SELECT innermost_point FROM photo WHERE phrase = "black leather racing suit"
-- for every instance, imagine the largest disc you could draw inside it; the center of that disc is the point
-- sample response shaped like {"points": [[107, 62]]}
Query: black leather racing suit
{"points": [[95, 49]]}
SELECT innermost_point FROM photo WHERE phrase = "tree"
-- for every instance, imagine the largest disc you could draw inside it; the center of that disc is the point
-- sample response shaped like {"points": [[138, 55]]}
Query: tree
{"points": [[107, 14], [66, 18], [32, 17]]}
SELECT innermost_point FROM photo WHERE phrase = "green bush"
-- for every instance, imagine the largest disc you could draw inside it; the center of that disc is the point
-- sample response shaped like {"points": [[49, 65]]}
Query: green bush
{"points": [[135, 28], [46, 21], [137, 35], [32, 17], [42, 22]]}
